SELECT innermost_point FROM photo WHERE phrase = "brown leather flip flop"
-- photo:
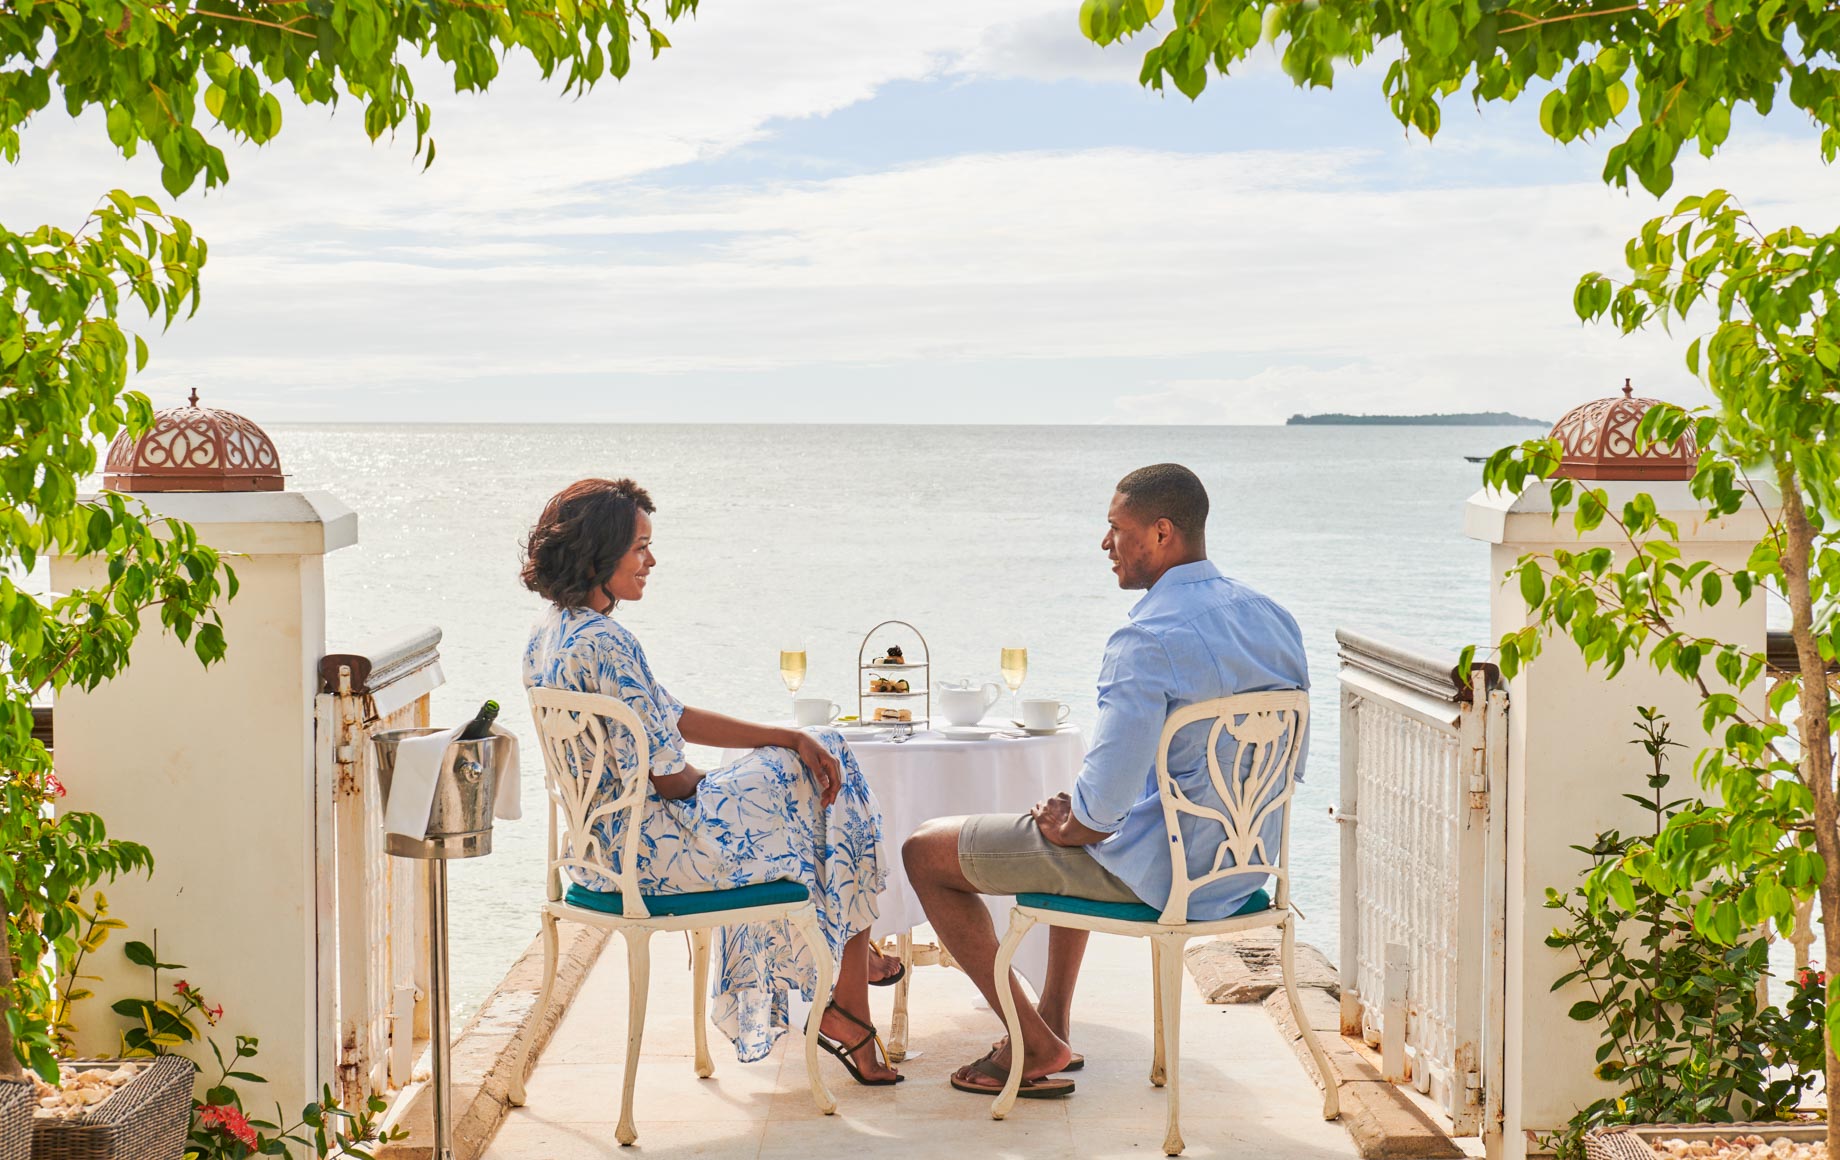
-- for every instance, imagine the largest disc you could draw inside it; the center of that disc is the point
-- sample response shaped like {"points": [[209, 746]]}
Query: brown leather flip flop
{"points": [[1045, 1088], [1074, 1063]]}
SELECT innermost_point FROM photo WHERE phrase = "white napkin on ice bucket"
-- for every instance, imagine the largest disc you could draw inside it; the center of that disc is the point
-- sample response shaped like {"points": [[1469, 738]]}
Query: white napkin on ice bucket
{"points": [[420, 762]]}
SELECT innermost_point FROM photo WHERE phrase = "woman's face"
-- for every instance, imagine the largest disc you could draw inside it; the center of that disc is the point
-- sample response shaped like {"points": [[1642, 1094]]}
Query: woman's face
{"points": [[628, 581]]}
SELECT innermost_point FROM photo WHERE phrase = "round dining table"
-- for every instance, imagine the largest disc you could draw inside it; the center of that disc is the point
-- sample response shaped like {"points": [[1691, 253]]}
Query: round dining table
{"points": [[921, 774], [925, 775]]}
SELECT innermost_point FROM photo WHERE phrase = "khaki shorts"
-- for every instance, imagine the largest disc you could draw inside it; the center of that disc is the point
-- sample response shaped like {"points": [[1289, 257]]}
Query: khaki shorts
{"points": [[1006, 854]]}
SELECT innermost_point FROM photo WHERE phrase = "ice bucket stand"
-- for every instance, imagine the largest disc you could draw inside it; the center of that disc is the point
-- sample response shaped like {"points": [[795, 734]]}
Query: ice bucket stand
{"points": [[459, 826]]}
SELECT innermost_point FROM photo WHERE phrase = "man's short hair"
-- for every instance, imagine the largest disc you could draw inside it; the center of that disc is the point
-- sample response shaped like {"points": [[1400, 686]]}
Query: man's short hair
{"points": [[1167, 491]]}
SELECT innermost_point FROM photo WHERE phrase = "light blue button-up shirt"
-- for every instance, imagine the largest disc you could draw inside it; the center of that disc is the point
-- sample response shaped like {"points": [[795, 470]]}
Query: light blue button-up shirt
{"points": [[1196, 635]]}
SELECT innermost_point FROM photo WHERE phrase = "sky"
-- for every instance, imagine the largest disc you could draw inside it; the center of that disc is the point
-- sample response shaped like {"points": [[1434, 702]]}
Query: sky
{"points": [[957, 212]]}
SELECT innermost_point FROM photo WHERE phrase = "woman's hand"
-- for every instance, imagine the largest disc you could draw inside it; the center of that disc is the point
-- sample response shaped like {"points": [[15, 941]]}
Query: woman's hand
{"points": [[702, 727], [825, 770]]}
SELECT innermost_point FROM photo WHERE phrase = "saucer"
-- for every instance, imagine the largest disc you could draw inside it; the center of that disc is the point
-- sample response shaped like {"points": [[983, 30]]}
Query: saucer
{"points": [[966, 732], [1048, 732]]}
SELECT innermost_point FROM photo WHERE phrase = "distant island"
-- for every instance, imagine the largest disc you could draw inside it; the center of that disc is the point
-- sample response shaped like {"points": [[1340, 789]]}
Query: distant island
{"points": [[1463, 419]]}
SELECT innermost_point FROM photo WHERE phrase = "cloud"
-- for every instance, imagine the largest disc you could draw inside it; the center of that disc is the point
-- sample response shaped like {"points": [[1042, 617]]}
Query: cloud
{"points": [[1216, 288], [1048, 46], [573, 252], [732, 70]]}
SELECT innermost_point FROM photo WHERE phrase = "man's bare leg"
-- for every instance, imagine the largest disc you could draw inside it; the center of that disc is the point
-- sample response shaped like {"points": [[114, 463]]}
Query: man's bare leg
{"points": [[1066, 948], [957, 913]]}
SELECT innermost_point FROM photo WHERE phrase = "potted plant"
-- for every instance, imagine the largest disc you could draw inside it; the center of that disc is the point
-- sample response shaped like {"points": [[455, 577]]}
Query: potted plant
{"points": [[1689, 1036]]}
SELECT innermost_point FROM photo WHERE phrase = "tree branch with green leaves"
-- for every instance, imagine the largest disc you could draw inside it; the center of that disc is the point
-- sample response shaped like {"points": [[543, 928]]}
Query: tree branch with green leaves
{"points": [[64, 360], [1654, 78], [1688, 65], [1771, 362], [162, 75]]}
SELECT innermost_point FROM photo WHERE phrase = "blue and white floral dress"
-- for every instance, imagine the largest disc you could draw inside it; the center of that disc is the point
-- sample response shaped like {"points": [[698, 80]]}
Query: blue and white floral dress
{"points": [[752, 821]]}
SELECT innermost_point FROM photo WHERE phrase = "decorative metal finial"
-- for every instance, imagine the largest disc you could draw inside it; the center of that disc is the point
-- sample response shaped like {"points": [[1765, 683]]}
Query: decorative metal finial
{"points": [[194, 448], [1598, 440]]}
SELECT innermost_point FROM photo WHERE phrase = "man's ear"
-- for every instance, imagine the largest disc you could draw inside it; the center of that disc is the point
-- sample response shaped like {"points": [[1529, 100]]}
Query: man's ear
{"points": [[1165, 530]]}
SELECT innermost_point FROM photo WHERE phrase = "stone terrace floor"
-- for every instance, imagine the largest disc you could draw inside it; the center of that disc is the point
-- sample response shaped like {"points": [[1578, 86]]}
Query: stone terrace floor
{"points": [[1245, 1093]]}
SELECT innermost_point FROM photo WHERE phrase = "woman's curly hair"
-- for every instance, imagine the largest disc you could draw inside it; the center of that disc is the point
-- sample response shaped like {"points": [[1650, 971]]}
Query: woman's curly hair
{"points": [[579, 539]]}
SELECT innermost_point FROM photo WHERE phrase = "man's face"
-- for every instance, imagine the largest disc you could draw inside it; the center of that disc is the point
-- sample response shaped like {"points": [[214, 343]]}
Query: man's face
{"points": [[1132, 544]]}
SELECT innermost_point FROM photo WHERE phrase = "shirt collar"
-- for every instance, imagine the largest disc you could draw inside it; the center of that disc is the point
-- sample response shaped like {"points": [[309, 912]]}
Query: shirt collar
{"points": [[1191, 573]]}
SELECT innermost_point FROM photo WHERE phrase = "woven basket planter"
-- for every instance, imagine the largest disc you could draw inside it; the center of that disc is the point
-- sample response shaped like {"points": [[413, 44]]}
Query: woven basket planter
{"points": [[16, 1104], [148, 1118], [1631, 1141]]}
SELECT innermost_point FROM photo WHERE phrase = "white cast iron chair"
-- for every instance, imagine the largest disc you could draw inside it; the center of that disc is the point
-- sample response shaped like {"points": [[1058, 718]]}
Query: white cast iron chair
{"points": [[1269, 731], [573, 729]]}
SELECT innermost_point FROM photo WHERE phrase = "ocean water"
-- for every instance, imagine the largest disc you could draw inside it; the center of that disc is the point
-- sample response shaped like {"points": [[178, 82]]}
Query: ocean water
{"points": [[770, 537]]}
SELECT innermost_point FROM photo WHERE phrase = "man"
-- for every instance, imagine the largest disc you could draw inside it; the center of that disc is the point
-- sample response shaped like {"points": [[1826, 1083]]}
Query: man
{"points": [[1196, 636]]}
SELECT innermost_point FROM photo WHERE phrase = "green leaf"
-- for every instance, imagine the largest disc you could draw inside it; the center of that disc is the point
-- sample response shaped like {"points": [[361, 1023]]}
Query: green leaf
{"points": [[1548, 108], [1621, 888], [1250, 22], [1533, 584], [1618, 96]]}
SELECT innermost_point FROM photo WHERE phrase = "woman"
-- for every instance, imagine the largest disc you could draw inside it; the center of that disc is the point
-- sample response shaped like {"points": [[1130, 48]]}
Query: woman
{"points": [[795, 808]]}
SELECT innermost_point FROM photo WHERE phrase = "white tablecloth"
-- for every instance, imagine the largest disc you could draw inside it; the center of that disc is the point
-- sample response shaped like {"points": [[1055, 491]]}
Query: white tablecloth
{"points": [[928, 776]]}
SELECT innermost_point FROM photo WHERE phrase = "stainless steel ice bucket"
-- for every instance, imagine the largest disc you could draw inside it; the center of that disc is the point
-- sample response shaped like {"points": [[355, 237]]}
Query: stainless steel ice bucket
{"points": [[460, 825]]}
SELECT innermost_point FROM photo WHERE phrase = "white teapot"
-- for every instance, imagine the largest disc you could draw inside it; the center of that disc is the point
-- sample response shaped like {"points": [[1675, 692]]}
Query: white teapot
{"points": [[964, 703]]}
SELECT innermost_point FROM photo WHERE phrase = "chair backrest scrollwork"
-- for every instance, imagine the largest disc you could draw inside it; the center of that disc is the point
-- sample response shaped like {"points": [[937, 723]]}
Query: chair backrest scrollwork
{"points": [[1268, 731], [577, 734]]}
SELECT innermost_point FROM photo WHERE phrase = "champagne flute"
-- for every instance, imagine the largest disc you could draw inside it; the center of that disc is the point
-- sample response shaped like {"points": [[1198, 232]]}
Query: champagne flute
{"points": [[792, 669], [1015, 666]]}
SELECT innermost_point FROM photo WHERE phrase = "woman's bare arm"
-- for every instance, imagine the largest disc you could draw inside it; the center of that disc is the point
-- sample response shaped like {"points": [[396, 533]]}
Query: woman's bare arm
{"points": [[677, 786], [702, 727]]}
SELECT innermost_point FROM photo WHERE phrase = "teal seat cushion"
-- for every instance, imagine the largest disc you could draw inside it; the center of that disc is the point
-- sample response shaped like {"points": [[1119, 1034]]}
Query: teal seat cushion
{"points": [[1123, 911], [701, 902]]}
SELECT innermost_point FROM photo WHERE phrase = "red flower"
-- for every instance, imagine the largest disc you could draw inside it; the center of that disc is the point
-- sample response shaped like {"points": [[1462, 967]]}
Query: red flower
{"points": [[53, 786], [213, 1014], [182, 987], [226, 1119], [1808, 976]]}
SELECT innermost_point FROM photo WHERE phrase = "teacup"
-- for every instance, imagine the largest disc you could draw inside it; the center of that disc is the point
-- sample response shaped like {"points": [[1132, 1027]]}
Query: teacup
{"points": [[814, 711], [1044, 714], [967, 706]]}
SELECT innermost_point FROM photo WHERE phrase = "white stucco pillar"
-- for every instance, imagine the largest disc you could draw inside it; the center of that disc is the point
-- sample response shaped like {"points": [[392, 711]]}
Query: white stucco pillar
{"points": [[1570, 761], [213, 770]]}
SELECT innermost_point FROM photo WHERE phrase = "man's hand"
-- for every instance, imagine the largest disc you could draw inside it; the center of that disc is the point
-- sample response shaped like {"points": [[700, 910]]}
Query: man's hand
{"points": [[1055, 819], [824, 768]]}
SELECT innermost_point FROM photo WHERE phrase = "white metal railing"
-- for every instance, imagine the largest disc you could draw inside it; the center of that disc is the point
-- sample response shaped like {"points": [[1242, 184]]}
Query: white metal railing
{"points": [[1423, 887], [372, 908]]}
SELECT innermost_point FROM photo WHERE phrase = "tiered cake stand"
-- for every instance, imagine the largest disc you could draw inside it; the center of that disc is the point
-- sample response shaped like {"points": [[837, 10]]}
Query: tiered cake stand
{"points": [[919, 695]]}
